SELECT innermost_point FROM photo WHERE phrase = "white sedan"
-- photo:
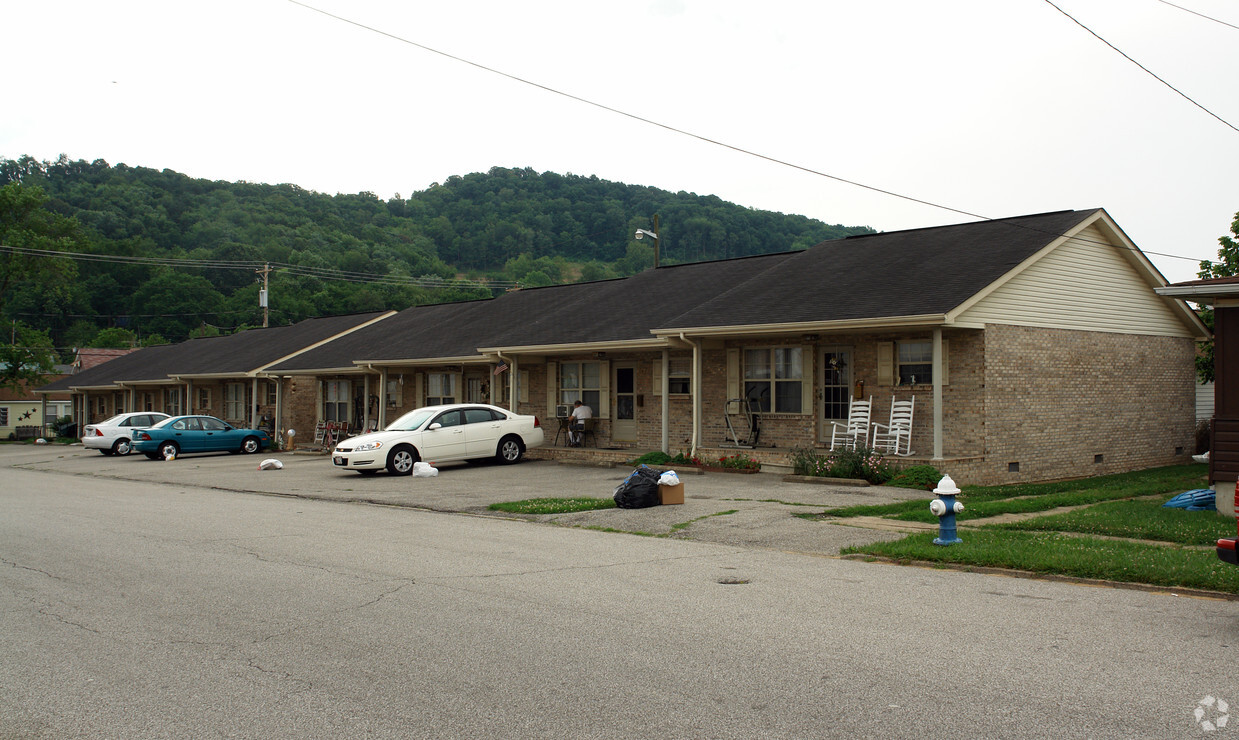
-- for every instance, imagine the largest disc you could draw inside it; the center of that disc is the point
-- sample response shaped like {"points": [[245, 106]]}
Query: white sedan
{"points": [[435, 434], [115, 436]]}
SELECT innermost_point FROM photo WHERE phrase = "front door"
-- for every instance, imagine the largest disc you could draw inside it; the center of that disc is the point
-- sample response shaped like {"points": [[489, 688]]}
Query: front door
{"points": [[836, 389], [624, 416]]}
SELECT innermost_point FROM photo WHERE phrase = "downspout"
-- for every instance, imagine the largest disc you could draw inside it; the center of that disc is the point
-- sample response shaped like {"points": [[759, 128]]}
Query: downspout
{"points": [[696, 394], [937, 372], [666, 387]]}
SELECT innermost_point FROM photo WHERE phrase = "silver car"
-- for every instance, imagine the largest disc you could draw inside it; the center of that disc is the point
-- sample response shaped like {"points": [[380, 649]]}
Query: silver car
{"points": [[115, 436]]}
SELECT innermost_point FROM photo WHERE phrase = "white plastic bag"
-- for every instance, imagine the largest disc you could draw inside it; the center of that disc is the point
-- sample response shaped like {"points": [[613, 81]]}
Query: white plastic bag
{"points": [[424, 470], [270, 464], [669, 478]]}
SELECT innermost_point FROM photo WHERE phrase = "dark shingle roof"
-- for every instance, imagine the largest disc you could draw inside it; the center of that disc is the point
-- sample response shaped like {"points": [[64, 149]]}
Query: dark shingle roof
{"points": [[893, 274]]}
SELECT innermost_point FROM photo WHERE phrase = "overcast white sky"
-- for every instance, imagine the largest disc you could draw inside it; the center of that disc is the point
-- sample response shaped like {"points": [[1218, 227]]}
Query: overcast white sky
{"points": [[991, 108]]}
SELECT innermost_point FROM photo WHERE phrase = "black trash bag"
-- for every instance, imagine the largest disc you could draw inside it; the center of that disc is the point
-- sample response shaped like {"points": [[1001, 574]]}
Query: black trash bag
{"points": [[639, 490]]}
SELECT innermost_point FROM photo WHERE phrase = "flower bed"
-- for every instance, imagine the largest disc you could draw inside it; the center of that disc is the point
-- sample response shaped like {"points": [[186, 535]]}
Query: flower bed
{"points": [[863, 463]]}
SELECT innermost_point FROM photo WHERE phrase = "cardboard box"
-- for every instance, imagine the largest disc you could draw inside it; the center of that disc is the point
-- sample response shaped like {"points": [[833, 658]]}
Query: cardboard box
{"points": [[671, 494]]}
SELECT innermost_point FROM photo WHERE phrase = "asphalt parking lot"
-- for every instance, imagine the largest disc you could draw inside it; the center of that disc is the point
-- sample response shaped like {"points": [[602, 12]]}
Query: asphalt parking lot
{"points": [[742, 510]]}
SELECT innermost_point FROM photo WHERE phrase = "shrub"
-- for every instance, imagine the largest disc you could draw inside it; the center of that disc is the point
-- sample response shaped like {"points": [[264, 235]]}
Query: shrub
{"points": [[738, 462], [657, 457], [917, 476], [864, 463]]}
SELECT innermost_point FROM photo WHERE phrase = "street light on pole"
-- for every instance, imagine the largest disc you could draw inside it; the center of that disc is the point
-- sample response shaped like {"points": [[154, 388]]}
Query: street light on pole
{"points": [[653, 235]]}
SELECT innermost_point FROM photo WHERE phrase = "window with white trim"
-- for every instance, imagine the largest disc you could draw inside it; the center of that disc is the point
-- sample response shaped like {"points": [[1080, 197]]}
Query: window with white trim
{"points": [[580, 381], [335, 400], [204, 399], [679, 376], [773, 379], [172, 401], [4, 416], [272, 391], [234, 401], [440, 388], [915, 362]]}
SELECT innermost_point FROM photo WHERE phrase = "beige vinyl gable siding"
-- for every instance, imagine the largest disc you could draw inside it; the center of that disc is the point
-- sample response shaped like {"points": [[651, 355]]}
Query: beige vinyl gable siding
{"points": [[1085, 284]]}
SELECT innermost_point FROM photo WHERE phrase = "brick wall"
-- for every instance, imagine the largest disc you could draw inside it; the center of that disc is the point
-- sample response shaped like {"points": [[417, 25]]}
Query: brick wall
{"points": [[1064, 404]]}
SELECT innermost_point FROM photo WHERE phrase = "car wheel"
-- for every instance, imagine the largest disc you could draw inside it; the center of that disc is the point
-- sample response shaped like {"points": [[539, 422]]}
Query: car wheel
{"points": [[122, 446], [250, 445], [401, 459], [168, 449], [510, 450]]}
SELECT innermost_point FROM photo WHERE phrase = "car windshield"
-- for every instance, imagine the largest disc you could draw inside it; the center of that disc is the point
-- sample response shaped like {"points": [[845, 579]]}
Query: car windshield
{"points": [[163, 423], [410, 421]]}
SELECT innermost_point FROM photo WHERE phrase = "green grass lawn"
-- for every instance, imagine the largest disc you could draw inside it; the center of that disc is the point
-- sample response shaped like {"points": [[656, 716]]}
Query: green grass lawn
{"points": [[553, 505], [1079, 543], [1082, 557], [1142, 519]]}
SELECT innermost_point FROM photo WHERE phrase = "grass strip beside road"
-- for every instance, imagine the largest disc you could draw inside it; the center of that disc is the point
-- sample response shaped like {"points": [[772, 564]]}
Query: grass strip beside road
{"points": [[553, 505], [986, 501], [1142, 519], [1064, 554]]}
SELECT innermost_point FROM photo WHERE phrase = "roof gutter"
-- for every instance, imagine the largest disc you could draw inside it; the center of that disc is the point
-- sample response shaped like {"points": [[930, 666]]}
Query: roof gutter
{"points": [[796, 327]]}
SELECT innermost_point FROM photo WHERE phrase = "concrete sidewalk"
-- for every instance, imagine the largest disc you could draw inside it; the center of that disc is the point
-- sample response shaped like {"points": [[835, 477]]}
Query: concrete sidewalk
{"points": [[743, 510]]}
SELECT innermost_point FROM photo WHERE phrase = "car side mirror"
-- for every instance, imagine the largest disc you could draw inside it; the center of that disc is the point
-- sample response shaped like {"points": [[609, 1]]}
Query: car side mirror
{"points": [[434, 426]]}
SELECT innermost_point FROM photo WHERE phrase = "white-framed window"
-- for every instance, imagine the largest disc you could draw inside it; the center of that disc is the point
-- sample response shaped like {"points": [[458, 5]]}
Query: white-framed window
{"points": [[440, 389], [679, 376], [172, 401], [101, 406], [335, 400], [234, 401], [4, 416], [395, 391], [773, 379], [580, 381], [915, 362], [204, 399], [272, 390]]}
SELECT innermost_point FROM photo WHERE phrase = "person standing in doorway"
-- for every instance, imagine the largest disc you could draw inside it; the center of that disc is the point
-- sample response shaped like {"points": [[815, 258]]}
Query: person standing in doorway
{"points": [[576, 423]]}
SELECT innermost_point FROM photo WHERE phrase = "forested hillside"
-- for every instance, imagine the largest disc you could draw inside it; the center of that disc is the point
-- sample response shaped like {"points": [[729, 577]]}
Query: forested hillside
{"points": [[176, 256]]}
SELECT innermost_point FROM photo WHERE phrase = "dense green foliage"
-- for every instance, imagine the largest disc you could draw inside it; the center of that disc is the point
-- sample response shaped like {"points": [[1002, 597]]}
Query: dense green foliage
{"points": [[333, 254], [1226, 265]]}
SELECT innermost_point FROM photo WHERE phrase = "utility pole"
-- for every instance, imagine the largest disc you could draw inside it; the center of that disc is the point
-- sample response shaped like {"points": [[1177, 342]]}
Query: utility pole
{"points": [[262, 294]]}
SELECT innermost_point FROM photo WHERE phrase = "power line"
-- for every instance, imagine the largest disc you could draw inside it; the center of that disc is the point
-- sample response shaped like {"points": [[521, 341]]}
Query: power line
{"points": [[1202, 15], [715, 142], [1141, 66]]}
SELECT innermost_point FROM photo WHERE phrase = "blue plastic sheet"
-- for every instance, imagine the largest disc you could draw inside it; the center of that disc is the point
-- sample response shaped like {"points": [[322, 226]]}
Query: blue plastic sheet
{"points": [[1200, 499]]}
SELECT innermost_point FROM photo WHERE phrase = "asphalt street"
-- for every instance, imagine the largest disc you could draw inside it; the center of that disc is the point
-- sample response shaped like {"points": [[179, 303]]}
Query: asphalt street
{"points": [[205, 598]]}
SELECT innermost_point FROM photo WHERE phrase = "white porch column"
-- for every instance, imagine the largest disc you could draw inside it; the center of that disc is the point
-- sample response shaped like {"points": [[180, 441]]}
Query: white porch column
{"points": [[937, 371], [696, 397], [254, 405]]}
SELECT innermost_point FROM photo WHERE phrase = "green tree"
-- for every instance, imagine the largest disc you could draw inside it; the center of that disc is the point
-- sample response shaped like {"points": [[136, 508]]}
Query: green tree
{"points": [[114, 338], [1226, 265], [28, 231], [28, 357]]}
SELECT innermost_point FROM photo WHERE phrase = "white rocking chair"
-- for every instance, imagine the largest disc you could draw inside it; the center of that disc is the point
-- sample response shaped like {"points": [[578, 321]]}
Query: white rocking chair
{"points": [[895, 438], [855, 433]]}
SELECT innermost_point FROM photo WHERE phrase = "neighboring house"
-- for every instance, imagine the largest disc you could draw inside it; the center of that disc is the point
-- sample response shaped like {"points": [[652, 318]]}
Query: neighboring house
{"points": [[27, 414], [1036, 348], [1223, 295], [219, 376]]}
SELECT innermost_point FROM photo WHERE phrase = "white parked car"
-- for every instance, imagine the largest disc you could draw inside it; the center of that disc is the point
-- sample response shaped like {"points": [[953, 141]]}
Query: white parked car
{"points": [[463, 431], [115, 436]]}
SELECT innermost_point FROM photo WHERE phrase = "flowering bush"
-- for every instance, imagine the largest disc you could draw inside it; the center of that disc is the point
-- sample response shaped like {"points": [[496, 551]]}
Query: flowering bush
{"points": [[682, 459], [863, 463], [738, 462]]}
